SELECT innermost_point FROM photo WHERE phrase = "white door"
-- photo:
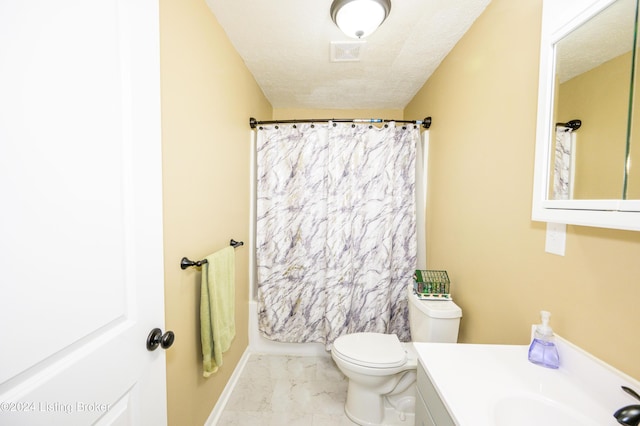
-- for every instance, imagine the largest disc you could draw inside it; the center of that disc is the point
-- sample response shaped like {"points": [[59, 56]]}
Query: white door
{"points": [[81, 268]]}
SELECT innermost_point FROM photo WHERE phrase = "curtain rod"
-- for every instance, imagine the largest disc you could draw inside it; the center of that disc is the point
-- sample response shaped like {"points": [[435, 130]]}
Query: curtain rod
{"points": [[426, 123]]}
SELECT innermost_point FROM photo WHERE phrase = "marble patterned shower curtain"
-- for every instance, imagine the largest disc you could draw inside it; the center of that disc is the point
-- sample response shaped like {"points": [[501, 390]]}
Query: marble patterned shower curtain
{"points": [[563, 164], [336, 231]]}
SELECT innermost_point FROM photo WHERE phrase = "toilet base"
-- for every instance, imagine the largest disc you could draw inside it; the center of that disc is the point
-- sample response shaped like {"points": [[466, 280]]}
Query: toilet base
{"points": [[398, 410]]}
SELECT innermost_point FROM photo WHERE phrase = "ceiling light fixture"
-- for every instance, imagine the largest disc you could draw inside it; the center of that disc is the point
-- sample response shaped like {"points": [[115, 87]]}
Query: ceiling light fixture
{"points": [[359, 18]]}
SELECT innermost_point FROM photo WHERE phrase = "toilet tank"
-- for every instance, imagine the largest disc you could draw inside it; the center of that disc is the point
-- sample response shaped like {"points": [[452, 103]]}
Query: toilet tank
{"points": [[433, 320]]}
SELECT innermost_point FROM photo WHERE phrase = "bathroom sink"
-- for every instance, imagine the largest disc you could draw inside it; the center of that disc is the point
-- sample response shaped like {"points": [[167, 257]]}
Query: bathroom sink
{"points": [[496, 385], [532, 410]]}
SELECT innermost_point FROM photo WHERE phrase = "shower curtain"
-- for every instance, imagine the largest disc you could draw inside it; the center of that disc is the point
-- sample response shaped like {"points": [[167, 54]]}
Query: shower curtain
{"points": [[335, 230], [564, 164]]}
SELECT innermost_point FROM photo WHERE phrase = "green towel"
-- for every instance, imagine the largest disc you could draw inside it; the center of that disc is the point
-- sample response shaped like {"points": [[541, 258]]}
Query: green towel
{"points": [[217, 308]]}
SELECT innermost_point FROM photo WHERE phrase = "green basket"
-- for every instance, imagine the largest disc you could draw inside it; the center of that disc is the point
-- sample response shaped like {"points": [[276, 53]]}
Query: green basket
{"points": [[431, 284]]}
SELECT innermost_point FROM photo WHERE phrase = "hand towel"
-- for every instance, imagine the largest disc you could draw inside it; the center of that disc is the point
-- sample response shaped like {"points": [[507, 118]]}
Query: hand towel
{"points": [[217, 308]]}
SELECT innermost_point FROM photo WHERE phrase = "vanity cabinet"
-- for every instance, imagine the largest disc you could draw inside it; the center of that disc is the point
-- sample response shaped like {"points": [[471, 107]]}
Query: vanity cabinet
{"points": [[430, 410]]}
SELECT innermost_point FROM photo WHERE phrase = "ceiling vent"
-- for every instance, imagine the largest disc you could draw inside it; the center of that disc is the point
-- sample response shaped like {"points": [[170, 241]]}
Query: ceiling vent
{"points": [[346, 51]]}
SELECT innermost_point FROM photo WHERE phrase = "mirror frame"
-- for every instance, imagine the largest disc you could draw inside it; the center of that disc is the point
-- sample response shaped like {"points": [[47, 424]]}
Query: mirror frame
{"points": [[559, 18]]}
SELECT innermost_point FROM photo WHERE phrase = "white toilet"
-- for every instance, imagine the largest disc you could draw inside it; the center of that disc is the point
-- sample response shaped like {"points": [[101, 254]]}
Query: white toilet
{"points": [[382, 370]]}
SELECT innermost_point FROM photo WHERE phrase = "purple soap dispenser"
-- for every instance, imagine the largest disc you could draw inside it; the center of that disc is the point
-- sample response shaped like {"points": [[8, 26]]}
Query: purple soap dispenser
{"points": [[543, 350]]}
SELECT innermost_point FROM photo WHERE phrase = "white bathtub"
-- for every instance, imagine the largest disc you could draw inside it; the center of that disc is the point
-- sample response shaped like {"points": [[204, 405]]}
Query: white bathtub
{"points": [[259, 344]]}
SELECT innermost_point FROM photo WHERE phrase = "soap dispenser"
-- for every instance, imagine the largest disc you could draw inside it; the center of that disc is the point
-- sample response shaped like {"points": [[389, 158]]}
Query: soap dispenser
{"points": [[543, 350]]}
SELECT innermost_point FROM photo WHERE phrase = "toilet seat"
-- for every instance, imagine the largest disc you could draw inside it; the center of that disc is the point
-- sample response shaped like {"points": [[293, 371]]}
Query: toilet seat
{"points": [[373, 350]]}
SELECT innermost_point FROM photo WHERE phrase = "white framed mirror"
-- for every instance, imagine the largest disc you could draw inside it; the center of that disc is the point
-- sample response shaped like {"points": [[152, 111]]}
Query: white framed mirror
{"points": [[585, 130]]}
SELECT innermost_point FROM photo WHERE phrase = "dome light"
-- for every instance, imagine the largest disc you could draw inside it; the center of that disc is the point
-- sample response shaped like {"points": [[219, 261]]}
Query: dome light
{"points": [[359, 18]]}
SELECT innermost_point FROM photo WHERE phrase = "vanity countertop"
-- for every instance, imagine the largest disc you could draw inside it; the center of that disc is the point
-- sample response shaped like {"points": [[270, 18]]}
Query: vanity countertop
{"points": [[495, 385]]}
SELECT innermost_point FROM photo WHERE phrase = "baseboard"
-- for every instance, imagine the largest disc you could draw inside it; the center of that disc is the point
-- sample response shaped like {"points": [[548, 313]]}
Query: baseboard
{"points": [[214, 417]]}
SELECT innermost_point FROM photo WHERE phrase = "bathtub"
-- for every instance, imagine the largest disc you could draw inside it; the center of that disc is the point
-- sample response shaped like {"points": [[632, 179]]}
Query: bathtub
{"points": [[259, 344]]}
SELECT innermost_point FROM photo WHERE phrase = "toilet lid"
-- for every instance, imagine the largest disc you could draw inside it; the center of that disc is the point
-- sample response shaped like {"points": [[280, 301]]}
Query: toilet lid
{"points": [[374, 350]]}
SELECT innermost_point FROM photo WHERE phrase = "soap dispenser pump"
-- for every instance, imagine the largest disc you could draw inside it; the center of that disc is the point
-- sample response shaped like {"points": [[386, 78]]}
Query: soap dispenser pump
{"points": [[543, 350]]}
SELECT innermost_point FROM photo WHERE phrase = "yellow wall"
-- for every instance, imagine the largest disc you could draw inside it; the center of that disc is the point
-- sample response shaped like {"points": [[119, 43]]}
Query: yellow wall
{"points": [[483, 102], [600, 98], [208, 96]]}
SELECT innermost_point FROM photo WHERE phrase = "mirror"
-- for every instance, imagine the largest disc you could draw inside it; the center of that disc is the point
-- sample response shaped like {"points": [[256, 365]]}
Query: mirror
{"points": [[633, 172], [583, 172], [592, 82]]}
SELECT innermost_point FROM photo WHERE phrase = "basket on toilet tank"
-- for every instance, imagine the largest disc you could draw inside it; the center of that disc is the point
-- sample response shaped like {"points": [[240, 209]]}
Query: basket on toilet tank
{"points": [[431, 284]]}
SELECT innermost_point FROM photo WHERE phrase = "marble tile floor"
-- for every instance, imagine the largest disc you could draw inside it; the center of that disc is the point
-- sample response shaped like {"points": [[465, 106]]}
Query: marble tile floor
{"points": [[277, 390]]}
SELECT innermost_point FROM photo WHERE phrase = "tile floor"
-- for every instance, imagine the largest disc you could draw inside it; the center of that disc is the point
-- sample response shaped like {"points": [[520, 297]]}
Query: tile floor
{"points": [[277, 390]]}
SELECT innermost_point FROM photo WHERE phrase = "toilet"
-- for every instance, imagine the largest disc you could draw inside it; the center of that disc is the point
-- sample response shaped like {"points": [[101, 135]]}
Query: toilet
{"points": [[382, 370]]}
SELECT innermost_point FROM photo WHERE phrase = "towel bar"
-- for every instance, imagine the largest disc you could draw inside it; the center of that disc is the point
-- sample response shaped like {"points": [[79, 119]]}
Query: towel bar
{"points": [[185, 263]]}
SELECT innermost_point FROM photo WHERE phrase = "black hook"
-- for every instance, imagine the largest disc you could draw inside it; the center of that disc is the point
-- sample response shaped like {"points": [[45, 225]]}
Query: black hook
{"points": [[572, 125]]}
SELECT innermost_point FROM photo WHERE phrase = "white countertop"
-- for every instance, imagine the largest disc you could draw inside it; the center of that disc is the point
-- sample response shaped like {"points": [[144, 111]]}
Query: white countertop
{"points": [[476, 382]]}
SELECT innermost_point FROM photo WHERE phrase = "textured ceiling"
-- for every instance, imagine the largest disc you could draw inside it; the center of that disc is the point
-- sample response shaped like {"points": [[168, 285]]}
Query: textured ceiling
{"points": [[607, 35], [286, 45]]}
